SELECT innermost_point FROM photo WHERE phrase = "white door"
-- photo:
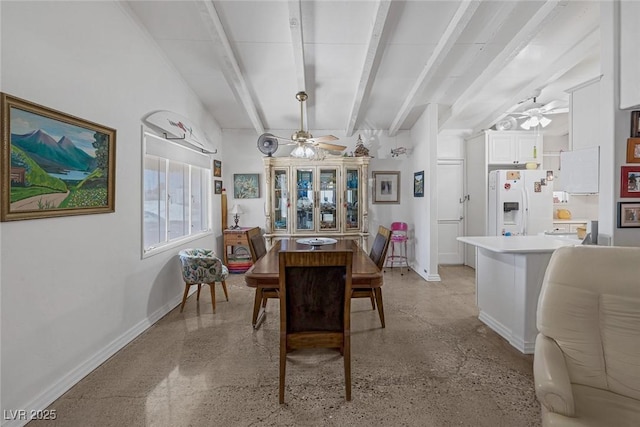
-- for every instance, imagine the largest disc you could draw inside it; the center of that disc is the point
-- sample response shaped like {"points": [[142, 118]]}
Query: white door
{"points": [[450, 211]]}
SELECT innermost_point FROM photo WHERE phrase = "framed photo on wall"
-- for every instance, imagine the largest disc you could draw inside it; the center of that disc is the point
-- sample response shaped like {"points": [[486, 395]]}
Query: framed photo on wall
{"points": [[217, 168], [418, 184], [386, 187], [635, 124], [630, 181], [217, 186], [628, 214], [246, 186], [633, 150], [54, 164]]}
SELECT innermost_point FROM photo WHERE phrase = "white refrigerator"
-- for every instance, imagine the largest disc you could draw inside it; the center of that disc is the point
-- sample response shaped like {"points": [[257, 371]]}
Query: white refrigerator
{"points": [[520, 202]]}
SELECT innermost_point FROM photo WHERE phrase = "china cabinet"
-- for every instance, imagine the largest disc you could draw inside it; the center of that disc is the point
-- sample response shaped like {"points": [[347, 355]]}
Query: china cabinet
{"points": [[316, 198]]}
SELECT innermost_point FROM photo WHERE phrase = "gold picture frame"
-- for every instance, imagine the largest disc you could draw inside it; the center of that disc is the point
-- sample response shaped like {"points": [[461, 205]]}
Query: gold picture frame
{"points": [[54, 164], [633, 150]]}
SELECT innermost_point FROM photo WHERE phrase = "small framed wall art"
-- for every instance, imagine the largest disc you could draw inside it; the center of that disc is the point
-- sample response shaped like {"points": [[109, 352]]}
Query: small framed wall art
{"points": [[630, 181], [386, 187], [217, 168], [633, 150], [217, 186], [635, 124], [628, 214], [418, 184], [246, 186]]}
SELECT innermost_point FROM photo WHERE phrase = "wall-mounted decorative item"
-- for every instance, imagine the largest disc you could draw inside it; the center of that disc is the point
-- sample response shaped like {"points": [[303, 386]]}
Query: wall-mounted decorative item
{"points": [[246, 186], [418, 184], [633, 150], [630, 181], [179, 129], [386, 187], [54, 164], [635, 124], [217, 186], [217, 168], [628, 214]]}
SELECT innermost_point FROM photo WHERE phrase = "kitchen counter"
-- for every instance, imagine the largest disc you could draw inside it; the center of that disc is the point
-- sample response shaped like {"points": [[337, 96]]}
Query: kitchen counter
{"points": [[509, 274], [517, 244]]}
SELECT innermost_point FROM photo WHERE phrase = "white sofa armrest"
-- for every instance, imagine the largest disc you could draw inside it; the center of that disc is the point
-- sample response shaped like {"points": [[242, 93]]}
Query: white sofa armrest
{"points": [[553, 387]]}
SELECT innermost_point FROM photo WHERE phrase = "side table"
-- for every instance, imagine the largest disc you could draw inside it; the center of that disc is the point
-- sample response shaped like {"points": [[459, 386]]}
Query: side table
{"points": [[237, 256]]}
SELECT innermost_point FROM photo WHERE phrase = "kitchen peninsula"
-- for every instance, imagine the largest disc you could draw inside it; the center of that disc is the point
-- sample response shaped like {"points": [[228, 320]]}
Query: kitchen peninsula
{"points": [[509, 274]]}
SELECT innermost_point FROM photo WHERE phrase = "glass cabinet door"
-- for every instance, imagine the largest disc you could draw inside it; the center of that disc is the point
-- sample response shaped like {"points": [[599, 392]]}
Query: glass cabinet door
{"points": [[328, 199], [280, 199], [351, 199], [304, 199]]}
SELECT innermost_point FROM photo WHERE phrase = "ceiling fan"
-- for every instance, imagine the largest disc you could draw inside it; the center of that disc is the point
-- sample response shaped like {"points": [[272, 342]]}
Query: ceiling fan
{"points": [[533, 116], [307, 145]]}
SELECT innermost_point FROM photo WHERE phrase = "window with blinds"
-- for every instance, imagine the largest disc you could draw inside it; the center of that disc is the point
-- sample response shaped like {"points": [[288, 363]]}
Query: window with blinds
{"points": [[176, 187]]}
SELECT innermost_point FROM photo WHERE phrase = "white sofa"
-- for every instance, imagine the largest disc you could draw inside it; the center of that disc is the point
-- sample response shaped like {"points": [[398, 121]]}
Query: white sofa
{"points": [[587, 353]]}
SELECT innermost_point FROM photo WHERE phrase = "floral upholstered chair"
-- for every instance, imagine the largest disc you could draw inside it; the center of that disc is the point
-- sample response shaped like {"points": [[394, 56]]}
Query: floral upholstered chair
{"points": [[199, 267]]}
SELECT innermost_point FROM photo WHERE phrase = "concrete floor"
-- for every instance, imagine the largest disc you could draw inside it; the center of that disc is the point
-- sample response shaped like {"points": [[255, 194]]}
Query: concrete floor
{"points": [[435, 364]]}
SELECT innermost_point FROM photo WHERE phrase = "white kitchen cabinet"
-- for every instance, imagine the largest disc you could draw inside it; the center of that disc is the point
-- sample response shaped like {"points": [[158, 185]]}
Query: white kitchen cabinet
{"points": [[325, 198], [584, 115], [514, 147]]}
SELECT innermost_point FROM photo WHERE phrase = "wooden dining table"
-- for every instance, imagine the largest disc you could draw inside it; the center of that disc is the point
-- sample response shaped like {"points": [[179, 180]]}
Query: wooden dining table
{"points": [[264, 274]]}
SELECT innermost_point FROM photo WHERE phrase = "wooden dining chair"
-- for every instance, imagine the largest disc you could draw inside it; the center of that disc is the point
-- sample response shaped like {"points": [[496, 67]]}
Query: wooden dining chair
{"points": [[377, 254], [315, 305], [258, 249]]}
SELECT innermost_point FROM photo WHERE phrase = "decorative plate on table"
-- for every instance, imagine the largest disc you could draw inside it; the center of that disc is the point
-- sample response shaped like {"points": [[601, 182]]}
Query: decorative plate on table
{"points": [[317, 241]]}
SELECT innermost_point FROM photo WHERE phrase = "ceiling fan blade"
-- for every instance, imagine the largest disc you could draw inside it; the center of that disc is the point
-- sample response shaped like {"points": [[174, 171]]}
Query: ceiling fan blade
{"points": [[553, 105], [332, 147], [324, 138], [558, 111]]}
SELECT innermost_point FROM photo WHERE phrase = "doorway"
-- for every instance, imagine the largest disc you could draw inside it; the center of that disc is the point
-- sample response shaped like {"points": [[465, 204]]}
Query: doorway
{"points": [[450, 211]]}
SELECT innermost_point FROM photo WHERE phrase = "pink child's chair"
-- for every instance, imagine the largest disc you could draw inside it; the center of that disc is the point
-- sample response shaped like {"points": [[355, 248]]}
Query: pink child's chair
{"points": [[399, 237]]}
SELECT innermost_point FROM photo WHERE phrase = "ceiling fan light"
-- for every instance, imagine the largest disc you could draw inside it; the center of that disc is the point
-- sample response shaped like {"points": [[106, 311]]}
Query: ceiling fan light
{"points": [[308, 152], [298, 152], [303, 152], [534, 121], [544, 121]]}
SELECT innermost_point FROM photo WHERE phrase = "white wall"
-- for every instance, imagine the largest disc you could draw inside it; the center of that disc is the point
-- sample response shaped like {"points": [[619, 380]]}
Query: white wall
{"points": [[424, 135], [75, 289]]}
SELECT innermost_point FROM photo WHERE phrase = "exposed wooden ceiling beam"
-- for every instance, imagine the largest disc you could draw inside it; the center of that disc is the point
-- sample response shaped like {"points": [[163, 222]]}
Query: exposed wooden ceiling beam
{"points": [[230, 67], [457, 25], [541, 18], [371, 62], [566, 62]]}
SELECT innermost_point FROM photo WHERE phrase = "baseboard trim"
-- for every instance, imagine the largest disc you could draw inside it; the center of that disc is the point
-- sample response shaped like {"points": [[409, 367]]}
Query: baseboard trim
{"points": [[49, 395]]}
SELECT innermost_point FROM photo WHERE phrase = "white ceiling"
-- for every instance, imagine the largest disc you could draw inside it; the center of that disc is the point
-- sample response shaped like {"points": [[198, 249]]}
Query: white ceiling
{"points": [[374, 65]]}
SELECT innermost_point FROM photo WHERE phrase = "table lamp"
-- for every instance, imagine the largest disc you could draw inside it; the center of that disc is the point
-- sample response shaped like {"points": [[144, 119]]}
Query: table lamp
{"points": [[236, 211]]}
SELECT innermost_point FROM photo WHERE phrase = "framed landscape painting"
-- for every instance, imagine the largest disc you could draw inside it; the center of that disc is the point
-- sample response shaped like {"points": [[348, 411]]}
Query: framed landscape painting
{"points": [[54, 164], [246, 186]]}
